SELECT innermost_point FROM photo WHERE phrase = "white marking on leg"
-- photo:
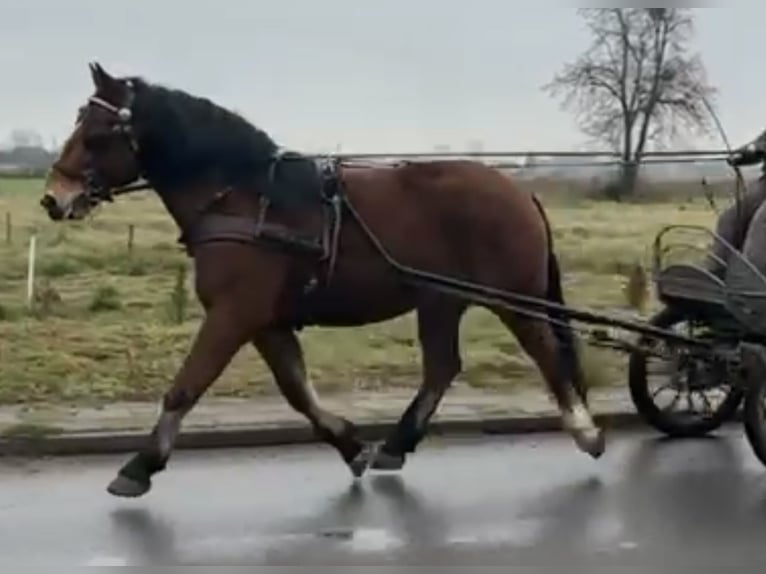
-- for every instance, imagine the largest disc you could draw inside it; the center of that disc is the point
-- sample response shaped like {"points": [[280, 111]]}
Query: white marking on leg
{"points": [[329, 421], [167, 430], [583, 429], [579, 419], [324, 419]]}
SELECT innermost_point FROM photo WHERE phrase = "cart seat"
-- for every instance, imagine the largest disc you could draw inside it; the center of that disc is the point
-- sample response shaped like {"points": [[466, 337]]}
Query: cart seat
{"points": [[690, 283]]}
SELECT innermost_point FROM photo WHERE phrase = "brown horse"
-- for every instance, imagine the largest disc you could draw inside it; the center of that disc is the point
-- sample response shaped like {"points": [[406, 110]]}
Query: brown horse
{"points": [[279, 242]]}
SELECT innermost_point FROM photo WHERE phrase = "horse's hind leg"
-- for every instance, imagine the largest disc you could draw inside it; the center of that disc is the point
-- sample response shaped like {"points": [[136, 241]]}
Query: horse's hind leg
{"points": [[438, 332], [282, 352], [558, 366]]}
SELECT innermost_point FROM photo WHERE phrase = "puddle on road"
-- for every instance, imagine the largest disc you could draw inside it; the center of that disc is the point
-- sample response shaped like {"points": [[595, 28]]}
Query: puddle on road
{"points": [[107, 561], [360, 540], [372, 540], [515, 533]]}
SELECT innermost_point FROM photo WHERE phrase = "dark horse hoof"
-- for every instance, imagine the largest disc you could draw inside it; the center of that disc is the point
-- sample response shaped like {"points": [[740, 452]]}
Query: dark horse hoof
{"points": [[388, 461], [126, 487]]}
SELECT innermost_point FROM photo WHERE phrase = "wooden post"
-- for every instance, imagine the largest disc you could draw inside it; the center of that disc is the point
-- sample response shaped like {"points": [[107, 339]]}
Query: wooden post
{"points": [[131, 237], [31, 271], [8, 228]]}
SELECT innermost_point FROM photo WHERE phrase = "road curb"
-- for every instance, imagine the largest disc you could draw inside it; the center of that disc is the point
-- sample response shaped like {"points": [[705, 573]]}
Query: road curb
{"points": [[123, 441]]}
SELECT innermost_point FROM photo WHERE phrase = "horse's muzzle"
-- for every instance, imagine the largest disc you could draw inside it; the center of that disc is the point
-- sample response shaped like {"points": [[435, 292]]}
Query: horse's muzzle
{"points": [[51, 206]]}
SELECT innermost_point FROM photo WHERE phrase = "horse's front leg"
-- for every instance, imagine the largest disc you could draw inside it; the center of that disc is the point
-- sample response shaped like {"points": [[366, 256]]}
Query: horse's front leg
{"points": [[223, 332]]}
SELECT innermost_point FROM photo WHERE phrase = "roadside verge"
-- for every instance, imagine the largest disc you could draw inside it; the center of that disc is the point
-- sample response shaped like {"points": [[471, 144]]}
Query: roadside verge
{"points": [[231, 423]]}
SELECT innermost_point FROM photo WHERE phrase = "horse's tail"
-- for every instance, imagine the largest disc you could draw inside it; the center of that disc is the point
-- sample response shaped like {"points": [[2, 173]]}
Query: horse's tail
{"points": [[560, 323]]}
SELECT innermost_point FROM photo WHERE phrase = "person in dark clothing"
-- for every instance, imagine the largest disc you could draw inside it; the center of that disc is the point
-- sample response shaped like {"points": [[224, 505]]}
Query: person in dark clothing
{"points": [[744, 227]]}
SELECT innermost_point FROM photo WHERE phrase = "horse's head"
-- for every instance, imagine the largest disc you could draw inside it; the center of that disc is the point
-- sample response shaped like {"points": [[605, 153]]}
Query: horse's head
{"points": [[101, 153]]}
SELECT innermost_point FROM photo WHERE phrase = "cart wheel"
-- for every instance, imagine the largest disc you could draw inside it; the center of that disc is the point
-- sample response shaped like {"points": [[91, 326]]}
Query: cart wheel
{"points": [[755, 417], [718, 396]]}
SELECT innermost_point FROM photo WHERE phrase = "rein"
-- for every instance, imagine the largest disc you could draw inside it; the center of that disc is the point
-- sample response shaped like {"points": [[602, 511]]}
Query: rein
{"points": [[740, 185], [131, 188]]}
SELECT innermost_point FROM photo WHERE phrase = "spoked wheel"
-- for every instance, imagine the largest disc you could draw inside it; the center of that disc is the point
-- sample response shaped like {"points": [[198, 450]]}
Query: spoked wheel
{"points": [[680, 394], [755, 417]]}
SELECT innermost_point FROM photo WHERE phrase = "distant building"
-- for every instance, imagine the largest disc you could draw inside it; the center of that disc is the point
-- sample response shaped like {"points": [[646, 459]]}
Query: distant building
{"points": [[28, 160]]}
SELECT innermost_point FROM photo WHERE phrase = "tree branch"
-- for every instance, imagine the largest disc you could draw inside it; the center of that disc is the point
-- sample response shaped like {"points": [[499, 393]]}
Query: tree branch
{"points": [[637, 73]]}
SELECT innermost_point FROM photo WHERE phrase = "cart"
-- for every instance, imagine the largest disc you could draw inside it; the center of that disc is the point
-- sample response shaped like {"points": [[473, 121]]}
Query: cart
{"points": [[727, 310]]}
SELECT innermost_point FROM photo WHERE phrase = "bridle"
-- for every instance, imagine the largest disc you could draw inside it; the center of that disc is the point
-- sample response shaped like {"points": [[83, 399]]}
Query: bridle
{"points": [[95, 191]]}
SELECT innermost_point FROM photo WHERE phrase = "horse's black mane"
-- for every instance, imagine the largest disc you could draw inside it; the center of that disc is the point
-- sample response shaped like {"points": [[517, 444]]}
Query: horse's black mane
{"points": [[189, 137]]}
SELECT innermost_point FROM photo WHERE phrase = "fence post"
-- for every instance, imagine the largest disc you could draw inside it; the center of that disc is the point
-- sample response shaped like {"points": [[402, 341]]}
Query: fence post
{"points": [[131, 237], [8, 228], [31, 270]]}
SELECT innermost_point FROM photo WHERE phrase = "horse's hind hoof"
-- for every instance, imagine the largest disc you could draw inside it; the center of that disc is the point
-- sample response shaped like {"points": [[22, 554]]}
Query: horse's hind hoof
{"points": [[125, 487], [387, 461], [361, 462]]}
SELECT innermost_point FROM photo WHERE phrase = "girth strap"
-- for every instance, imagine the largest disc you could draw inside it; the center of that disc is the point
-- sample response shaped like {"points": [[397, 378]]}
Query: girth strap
{"points": [[218, 227]]}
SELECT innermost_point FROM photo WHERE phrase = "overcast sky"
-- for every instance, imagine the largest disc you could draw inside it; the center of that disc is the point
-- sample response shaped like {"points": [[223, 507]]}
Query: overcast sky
{"points": [[399, 75]]}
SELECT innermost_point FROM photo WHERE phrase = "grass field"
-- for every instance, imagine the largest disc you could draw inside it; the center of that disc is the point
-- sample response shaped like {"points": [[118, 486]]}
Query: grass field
{"points": [[102, 327]]}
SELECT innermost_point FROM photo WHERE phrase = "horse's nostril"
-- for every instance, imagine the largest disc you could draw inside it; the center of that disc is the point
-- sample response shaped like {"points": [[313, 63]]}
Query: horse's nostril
{"points": [[51, 206]]}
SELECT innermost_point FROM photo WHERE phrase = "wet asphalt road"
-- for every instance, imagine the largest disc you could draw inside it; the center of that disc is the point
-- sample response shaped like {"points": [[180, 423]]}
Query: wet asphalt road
{"points": [[652, 504]]}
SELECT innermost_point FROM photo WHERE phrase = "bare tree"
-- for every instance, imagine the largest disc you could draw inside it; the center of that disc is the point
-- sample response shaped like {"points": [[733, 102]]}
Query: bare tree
{"points": [[637, 83]]}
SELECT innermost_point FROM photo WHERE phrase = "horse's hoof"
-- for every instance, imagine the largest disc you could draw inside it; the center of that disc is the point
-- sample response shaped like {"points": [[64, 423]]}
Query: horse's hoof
{"points": [[592, 442], [125, 487], [387, 461], [361, 462]]}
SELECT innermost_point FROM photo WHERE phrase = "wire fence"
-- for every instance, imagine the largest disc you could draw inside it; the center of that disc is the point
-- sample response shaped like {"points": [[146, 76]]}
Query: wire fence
{"points": [[542, 159], [670, 155], [508, 159], [718, 154], [525, 162]]}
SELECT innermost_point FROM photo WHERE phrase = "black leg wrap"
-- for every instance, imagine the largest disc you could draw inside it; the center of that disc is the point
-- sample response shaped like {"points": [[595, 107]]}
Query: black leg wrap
{"points": [[407, 434], [135, 478], [346, 443], [400, 446], [142, 466]]}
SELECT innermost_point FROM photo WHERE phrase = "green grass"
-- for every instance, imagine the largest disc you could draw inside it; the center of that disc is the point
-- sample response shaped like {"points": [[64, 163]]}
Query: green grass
{"points": [[106, 324]]}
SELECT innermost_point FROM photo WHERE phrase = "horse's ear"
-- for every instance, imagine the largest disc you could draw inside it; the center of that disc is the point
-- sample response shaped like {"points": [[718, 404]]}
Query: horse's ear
{"points": [[101, 78]]}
